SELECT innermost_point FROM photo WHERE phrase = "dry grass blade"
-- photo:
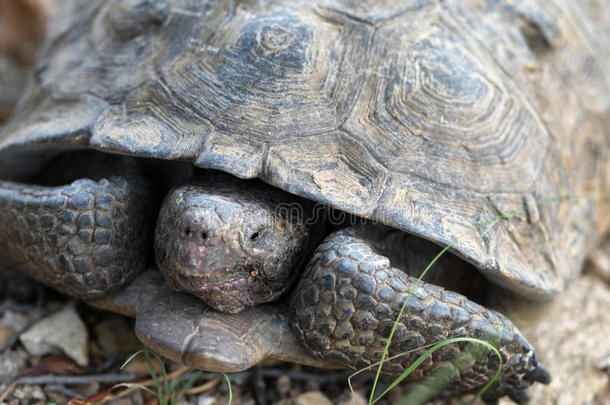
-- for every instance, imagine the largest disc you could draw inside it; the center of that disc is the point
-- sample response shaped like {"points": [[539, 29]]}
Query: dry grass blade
{"points": [[205, 386]]}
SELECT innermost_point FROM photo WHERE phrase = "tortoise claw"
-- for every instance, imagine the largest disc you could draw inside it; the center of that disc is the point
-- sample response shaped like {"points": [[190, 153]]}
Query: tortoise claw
{"points": [[539, 374]]}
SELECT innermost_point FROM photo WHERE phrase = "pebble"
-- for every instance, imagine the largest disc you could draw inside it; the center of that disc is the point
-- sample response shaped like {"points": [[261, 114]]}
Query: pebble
{"points": [[11, 363], [600, 262], [5, 334], [349, 398], [33, 393], [14, 321], [116, 337], [308, 398], [604, 364], [283, 384], [63, 331], [206, 399]]}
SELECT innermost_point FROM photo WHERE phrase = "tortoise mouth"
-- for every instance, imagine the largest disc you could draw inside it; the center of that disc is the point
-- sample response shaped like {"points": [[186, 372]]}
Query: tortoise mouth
{"points": [[238, 276], [231, 292], [219, 286]]}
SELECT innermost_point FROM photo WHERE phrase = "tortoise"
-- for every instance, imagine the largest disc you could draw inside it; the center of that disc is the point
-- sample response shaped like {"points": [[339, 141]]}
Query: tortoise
{"points": [[482, 126]]}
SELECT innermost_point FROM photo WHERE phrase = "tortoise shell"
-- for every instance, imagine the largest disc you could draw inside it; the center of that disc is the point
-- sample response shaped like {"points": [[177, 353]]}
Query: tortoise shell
{"points": [[483, 125]]}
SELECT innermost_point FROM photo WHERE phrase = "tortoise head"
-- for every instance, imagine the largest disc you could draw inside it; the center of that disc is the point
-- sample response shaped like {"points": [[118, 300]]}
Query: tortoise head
{"points": [[229, 241]]}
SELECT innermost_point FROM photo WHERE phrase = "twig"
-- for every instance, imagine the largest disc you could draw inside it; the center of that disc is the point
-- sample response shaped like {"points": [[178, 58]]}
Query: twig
{"points": [[106, 365], [204, 387], [112, 378], [57, 379], [19, 308], [66, 392], [305, 376]]}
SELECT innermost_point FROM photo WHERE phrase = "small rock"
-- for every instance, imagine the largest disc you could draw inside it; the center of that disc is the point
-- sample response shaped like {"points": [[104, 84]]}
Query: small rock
{"points": [[14, 321], [600, 262], [11, 363], [32, 393], [349, 398], [62, 331], [308, 398], [604, 364], [283, 385], [115, 337], [205, 399], [5, 334]]}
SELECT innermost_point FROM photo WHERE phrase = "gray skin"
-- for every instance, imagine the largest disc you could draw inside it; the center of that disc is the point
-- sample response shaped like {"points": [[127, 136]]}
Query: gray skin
{"points": [[225, 242], [233, 244], [230, 243]]}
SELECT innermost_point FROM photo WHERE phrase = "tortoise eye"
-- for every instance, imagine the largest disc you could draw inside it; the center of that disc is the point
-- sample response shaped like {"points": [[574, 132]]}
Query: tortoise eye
{"points": [[254, 236]]}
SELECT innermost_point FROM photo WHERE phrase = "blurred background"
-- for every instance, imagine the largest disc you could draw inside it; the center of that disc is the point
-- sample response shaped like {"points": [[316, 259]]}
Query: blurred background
{"points": [[22, 26]]}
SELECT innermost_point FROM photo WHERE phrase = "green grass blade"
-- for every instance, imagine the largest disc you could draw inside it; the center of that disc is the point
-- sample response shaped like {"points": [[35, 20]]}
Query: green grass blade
{"points": [[191, 381], [155, 378], [402, 309], [505, 215], [173, 384], [133, 356], [429, 353], [151, 369], [166, 390], [228, 381]]}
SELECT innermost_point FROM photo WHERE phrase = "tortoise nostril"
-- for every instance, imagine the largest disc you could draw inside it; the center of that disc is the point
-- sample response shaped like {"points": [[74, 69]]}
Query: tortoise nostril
{"points": [[195, 235]]}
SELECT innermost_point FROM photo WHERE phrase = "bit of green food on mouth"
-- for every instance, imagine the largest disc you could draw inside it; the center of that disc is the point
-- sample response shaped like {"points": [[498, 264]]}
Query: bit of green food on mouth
{"points": [[234, 275]]}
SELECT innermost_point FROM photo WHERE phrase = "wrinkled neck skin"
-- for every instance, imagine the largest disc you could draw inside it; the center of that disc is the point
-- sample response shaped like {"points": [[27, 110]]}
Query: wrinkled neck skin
{"points": [[233, 243]]}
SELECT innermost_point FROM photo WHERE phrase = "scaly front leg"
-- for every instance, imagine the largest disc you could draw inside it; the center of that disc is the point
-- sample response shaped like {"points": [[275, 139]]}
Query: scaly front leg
{"points": [[350, 296]]}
